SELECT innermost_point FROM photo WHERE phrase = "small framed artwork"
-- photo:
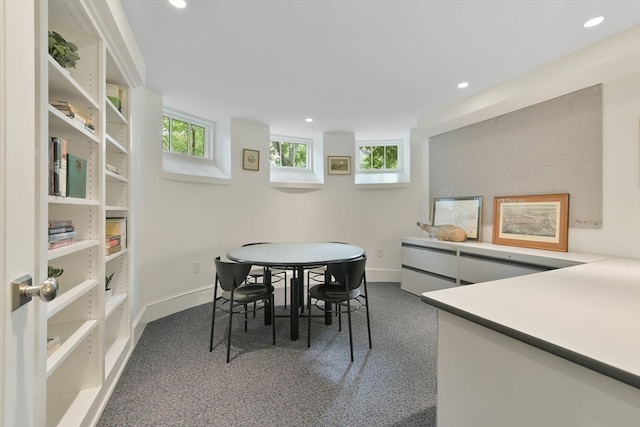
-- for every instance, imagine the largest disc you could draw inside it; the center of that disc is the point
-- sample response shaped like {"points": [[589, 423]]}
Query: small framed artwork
{"points": [[465, 212], [250, 159], [538, 221], [339, 165]]}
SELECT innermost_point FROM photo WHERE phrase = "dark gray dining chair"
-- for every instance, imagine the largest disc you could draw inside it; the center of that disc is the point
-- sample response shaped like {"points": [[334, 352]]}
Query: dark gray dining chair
{"points": [[343, 293], [238, 296]]}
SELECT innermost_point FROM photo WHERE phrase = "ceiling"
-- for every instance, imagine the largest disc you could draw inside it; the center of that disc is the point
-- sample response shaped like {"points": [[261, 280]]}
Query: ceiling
{"points": [[366, 66]]}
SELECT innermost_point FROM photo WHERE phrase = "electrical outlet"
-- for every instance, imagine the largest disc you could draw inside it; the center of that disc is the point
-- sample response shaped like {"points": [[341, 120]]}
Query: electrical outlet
{"points": [[196, 266], [379, 252]]}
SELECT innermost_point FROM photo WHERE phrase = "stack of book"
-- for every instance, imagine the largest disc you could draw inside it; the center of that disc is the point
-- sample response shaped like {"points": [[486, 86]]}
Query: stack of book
{"points": [[74, 114], [61, 233], [115, 234], [113, 244], [53, 343]]}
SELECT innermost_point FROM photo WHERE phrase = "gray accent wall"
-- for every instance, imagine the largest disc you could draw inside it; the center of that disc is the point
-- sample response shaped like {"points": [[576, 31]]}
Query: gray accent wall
{"points": [[550, 147]]}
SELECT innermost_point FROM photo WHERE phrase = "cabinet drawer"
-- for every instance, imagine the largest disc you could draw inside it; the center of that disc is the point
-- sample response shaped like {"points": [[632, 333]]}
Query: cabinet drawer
{"points": [[477, 269], [439, 261], [418, 282]]}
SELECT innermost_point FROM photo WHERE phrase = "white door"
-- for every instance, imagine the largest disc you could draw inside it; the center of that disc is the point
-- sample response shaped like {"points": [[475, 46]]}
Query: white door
{"points": [[22, 369]]}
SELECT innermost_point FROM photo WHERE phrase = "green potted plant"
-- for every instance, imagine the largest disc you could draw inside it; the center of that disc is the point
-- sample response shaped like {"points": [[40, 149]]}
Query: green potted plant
{"points": [[54, 272], [64, 52], [107, 280]]}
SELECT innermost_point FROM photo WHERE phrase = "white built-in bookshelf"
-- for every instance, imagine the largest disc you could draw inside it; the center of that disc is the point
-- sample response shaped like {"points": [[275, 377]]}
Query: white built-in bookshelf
{"points": [[93, 328]]}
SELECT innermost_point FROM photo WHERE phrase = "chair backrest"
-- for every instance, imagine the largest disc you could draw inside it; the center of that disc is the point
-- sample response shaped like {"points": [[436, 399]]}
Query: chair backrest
{"points": [[349, 273], [231, 274]]}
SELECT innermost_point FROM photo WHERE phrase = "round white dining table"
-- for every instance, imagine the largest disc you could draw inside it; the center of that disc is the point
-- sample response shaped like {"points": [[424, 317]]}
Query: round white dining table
{"points": [[295, 256]]}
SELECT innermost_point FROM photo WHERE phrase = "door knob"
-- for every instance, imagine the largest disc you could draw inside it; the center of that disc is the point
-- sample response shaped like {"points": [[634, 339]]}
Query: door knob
{"points": [[23, 290]]}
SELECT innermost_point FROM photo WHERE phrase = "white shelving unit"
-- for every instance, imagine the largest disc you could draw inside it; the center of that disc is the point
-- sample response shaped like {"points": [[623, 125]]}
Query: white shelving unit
{"points": [[94, 330]]}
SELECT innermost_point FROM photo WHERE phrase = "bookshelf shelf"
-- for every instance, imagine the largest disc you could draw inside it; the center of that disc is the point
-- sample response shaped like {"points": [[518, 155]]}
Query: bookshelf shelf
{"points": [[59, 200], [121, 210], [63, 301], [113, 115], [115, 302], [63, 127], [116, 255], [62, 87], [71, 249], [114, 146], [71, 335], [113, 353], [71, 408]]}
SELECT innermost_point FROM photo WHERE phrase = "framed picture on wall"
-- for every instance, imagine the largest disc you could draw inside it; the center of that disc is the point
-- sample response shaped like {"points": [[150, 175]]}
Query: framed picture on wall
{"points": [[465, 212], [537, 221], [250, 159], [339, 165]]}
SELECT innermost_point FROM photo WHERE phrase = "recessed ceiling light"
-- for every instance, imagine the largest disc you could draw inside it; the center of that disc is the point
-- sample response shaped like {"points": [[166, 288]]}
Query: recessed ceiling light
{"points": [[462, 85], [180, 4], [308, 120], [594, 21]]}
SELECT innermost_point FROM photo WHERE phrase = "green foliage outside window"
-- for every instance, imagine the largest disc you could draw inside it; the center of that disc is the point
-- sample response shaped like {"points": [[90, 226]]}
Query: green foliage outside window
{"points": [[182, 137], [378, 157], [288, 154]]}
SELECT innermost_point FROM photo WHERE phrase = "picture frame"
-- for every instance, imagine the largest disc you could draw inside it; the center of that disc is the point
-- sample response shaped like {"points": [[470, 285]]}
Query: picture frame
{"points": [[339, 165], [250, 159], [535, 221], [465, 212]]}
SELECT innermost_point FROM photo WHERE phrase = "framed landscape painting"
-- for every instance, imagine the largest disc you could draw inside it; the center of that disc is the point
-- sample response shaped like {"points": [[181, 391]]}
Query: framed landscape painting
{"points": [[465, 212], [339, 165], [537, 221]]}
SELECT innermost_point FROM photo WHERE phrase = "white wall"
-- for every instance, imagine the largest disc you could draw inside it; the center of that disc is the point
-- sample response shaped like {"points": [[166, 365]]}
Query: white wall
{"points": [[616, 64], [177, 223]]}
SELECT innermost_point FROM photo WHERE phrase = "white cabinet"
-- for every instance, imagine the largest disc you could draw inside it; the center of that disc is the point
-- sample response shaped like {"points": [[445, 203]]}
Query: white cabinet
{"points": [[481, 268], [429, 265], [428, 268], [93, 329]]}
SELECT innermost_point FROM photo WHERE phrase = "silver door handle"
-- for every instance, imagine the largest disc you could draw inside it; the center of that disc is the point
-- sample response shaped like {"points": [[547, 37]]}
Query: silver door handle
{"points": [[23, 290]]}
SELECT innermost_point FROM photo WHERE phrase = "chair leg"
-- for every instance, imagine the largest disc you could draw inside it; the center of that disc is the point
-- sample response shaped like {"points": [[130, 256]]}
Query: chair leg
{"points": [[285, 289], [350, 334], [229, 330], [246, 312], [308, 318], [273, 319], [213, 317], [366, 299]]}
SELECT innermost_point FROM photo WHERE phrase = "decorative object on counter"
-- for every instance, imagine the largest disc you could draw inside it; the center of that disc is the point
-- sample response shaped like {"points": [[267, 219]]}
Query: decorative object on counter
{"points": [[535, 221], [250, 159], [465, 212], [448, 232], [64, 52]]}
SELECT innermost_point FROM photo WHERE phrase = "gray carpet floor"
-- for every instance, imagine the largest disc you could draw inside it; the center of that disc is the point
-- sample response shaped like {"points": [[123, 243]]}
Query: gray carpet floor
{"points": [[172, 379]]}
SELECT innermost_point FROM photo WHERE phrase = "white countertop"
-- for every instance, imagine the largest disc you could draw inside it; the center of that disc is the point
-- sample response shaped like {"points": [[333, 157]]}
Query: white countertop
{"points": [[592, 309], [486, 247]]}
